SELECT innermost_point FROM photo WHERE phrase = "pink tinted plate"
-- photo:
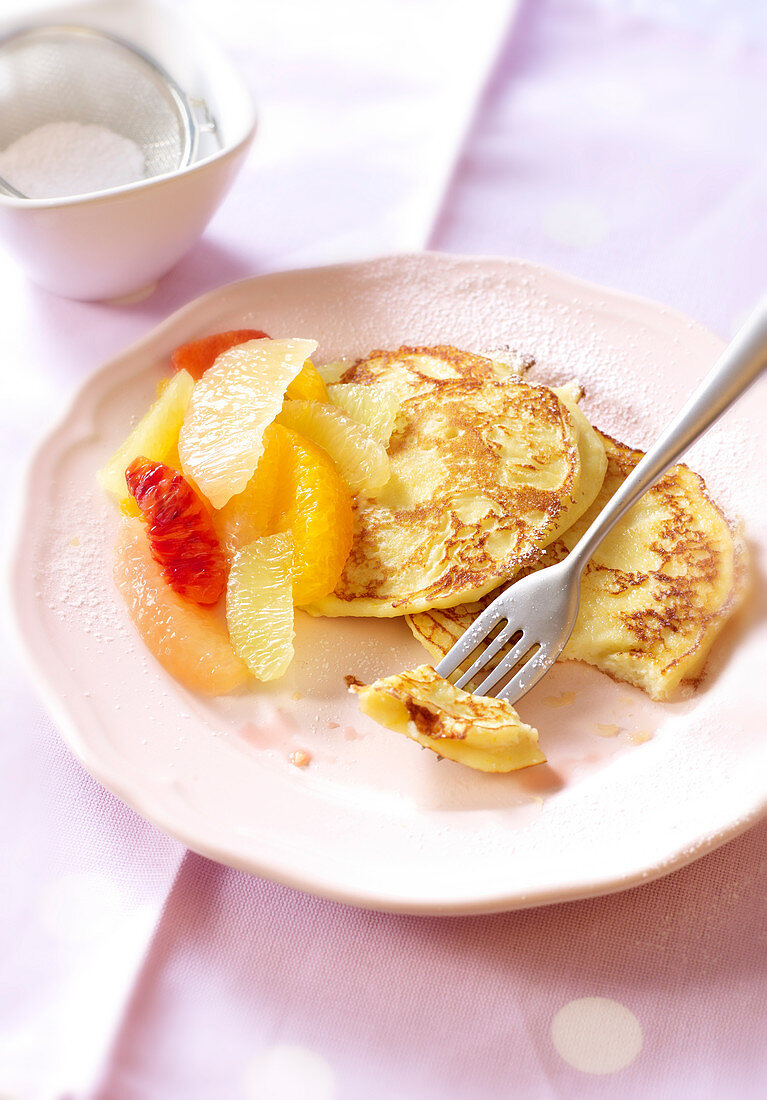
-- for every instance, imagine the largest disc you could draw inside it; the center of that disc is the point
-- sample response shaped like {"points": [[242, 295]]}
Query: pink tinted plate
{"points": [[632, 789]]}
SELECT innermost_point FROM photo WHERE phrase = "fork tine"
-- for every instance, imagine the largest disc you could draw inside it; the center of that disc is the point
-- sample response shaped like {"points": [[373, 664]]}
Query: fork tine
{"points": [[529, 675], [506, 665], [487, 654], [470, 639]]}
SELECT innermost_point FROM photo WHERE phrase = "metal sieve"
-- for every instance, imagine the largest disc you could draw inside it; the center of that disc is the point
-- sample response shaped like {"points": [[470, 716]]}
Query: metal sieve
{"points": [[68, 73]]}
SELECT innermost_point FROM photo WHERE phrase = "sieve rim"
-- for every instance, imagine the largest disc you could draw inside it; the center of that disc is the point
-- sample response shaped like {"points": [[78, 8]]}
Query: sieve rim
{"points": [[183, 106]]}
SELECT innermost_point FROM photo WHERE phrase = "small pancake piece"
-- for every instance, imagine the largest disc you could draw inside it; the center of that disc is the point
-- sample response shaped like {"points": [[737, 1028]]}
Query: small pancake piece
{"points": [[656, 593], [485, 471], [483, 733]]}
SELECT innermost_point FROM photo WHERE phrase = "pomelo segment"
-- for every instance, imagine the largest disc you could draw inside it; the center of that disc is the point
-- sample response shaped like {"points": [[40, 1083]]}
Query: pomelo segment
{"points": [[362, 462], [221, 439], [155, 435], [374, 406], [190, 642], [259, 605]]}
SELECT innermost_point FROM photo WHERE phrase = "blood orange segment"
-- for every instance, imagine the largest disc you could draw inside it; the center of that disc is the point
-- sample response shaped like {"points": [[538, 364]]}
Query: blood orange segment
{"points": [[374, 406], [190, 642], [181, 535], [361, 460], [307, 385], [259, 605], [155, 435], [196, 356], [221, 440]]}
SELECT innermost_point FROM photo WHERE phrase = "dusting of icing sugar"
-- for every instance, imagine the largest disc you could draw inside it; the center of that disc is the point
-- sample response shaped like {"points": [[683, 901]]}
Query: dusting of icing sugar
{"points": [[63, 159]]}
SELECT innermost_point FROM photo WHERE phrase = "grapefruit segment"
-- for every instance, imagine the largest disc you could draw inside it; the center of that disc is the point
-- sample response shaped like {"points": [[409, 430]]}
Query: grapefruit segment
{"points": [[190, 642]]}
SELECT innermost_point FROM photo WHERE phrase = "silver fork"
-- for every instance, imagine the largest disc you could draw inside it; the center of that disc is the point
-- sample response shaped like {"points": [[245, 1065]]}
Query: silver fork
{"points": [[540, 610]]}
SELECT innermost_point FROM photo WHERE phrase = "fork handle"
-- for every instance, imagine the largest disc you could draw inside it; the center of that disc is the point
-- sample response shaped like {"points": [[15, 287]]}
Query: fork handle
{"points": [[739, 365]]}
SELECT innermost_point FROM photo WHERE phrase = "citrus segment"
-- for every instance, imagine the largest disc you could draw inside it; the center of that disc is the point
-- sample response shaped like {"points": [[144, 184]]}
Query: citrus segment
{"points": [[333, 371], [254, 512], [181, 535], [296, 488], [221, 440], [154, 436], [190, 642], [198, 355], [362, 462], [316, 507], [307, 385], [374, 406], [259, 605]]}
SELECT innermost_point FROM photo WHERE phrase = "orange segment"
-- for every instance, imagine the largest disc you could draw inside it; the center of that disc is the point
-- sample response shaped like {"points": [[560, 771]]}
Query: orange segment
{"points": [[190, 642], [308, 385], [254, 512], [296, 488], [318, 513]]}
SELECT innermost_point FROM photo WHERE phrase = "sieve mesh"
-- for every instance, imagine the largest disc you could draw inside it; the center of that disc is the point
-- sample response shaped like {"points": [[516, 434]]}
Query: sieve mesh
{"points": [[79, 74]]}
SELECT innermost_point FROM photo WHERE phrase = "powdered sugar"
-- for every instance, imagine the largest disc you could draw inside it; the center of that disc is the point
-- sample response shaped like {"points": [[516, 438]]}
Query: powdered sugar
{"points": [[63, 159]]}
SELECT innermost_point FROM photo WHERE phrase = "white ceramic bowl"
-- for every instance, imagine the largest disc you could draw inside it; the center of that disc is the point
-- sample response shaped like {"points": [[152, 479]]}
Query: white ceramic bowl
{"points": [[118, 242]]}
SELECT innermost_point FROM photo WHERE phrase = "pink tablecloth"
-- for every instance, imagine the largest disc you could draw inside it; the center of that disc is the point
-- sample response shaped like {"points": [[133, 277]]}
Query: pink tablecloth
{"points": [[618, 141]]}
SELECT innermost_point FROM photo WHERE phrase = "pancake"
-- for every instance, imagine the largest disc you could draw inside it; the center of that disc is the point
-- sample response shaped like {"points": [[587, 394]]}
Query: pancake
{"points": [[486, 470], [656, 593], [485, 734]]}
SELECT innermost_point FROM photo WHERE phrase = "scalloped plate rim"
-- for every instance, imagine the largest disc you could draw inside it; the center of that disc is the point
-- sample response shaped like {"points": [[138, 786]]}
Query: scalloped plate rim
{"points": [[66, 721]]}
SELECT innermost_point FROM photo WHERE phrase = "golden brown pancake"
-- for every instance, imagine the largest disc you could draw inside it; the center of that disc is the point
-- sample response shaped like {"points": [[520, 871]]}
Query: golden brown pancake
{"points": [[656, 593], [485, 472]]}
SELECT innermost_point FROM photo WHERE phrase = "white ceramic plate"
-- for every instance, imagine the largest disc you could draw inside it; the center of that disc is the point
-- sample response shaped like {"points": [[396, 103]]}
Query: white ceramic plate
{"points": [[632, 789]]}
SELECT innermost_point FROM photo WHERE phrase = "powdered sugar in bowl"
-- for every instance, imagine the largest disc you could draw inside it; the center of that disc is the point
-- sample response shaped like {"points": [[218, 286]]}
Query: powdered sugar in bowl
{"points": [[103, 188]]}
